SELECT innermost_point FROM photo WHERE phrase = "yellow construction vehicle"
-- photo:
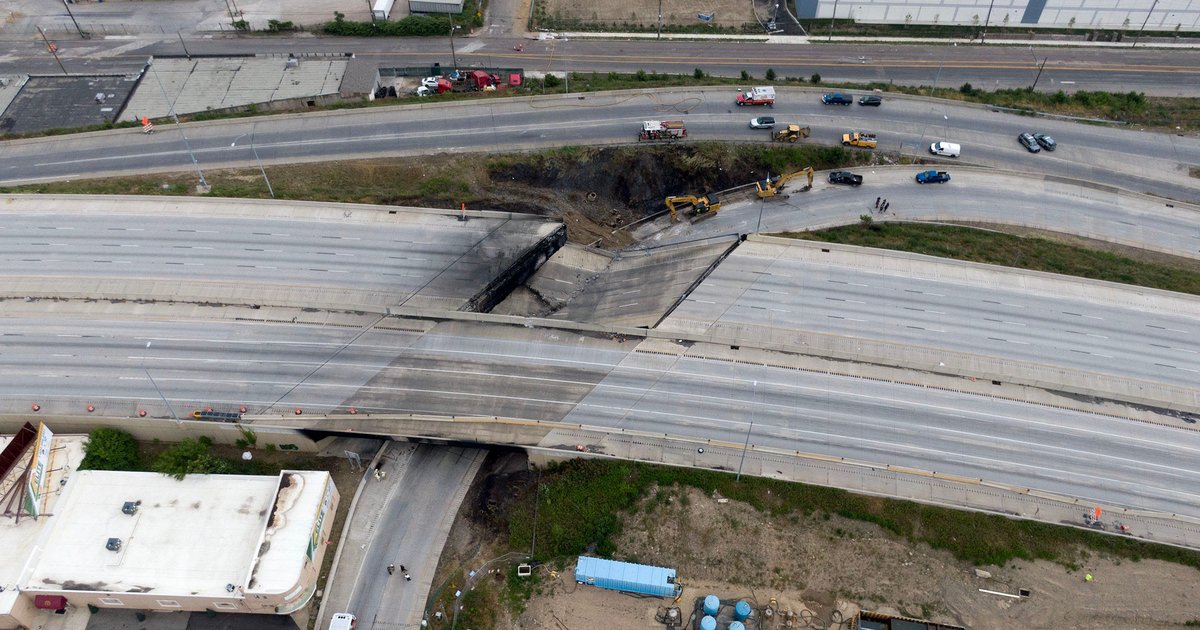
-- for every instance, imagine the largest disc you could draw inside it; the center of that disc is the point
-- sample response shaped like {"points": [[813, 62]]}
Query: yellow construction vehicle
{"points": [[860, 139], [702, 207], [791, 133], [771, 186]]}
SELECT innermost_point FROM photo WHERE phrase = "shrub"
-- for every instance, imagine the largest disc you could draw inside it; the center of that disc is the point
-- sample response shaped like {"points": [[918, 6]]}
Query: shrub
{"points": [[110, 449], [745, 75], [698, 73], [770, 74], [552, 81], [190, 457], [815, 78]]}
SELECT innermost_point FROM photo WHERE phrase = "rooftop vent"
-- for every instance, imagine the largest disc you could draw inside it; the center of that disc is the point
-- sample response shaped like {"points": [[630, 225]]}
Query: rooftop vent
{"points": [[130, 507], [113, 544]]}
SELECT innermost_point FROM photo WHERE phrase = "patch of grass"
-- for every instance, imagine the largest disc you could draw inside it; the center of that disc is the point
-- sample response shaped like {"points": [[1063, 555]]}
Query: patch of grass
{"points": [[1039, 254], [579, 504]]}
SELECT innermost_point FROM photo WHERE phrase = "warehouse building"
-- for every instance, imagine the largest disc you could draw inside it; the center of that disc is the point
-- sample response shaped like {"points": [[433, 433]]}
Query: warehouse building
{"points": [[1156, 15]]}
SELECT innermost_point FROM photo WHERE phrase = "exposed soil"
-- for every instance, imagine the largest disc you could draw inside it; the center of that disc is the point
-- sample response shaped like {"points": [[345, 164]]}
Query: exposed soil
{"points": [[821, 568]]}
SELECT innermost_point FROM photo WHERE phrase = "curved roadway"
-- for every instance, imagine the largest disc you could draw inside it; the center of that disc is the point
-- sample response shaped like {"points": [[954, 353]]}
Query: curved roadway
{"points": [[1138, 161]]}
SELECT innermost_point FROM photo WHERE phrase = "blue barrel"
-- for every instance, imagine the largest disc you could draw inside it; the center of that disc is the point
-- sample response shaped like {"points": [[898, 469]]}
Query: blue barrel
{"points": [[712, 604], [736, 625], [708, 623], [741, 611]]}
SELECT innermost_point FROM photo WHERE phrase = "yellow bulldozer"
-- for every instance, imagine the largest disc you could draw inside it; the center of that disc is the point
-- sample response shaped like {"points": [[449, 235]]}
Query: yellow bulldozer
{"points": [[770, 187], [791, 133], [700, 207]]}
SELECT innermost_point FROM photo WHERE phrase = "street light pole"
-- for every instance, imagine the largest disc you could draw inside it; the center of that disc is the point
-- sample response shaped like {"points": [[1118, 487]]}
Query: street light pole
{"points": [[160, 394], [746, 446], [82, 35], [254, 150], [831, 19], [186, 144], [453, 54], [1040, 68], [986, 20], [1144, 23], [53, 50], [659, 36]]}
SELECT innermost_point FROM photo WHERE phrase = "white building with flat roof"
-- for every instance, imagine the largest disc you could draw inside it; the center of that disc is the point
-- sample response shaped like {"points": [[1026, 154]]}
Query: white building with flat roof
{"points": [[145, 541], [150, 542]]}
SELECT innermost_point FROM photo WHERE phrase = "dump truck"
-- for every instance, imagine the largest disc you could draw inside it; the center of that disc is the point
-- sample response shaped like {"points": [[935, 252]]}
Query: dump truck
{"points": [[791, 133], [757, 96], [662, 130], [860, 139]]}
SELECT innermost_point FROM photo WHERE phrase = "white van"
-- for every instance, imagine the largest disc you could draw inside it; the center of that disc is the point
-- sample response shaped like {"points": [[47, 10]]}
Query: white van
{"points": [[343, 621], [947, 149]]}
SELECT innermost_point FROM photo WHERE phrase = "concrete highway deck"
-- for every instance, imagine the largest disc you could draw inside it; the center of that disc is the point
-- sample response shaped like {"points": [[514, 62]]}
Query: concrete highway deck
{"points": [[234, 251]]}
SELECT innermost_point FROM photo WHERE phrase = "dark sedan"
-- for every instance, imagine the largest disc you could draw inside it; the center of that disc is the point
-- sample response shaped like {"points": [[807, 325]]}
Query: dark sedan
{"points": [[1047, 142]]}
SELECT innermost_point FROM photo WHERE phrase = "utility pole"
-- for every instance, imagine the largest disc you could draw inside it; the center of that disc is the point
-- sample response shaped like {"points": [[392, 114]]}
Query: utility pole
{"points": [[185, 50], [453, 54], [53, 50], [659, 20], [986, 20], [831, 19], [82, 35], [1039, 74], [1144, 23], [746, 446]]}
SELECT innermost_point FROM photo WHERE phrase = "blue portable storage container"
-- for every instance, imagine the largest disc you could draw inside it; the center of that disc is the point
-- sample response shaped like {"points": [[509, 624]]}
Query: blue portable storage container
{"points": [[737, 625], [707, 622], [626, 576], [741, 610]]}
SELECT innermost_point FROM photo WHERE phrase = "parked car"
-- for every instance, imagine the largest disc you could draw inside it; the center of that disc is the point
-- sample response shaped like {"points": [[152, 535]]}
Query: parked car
{"points": [[836, 98], [1029, 142], [762, 122], [1047, 142], [845, 177], [430, 82], [933, 177], [871, 99]]}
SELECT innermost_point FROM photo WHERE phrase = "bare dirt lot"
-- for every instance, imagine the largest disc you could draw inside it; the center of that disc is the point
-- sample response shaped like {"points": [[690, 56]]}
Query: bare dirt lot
{"points": [[815, 566], [645, 12]]}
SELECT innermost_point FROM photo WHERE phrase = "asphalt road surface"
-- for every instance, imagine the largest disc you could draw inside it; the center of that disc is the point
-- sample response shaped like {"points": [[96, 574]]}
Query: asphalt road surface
{"points": [[1138, 161], [552, 375], [1166, 72], [972, 195], [409, 531], [372, 258], [760, 287]]}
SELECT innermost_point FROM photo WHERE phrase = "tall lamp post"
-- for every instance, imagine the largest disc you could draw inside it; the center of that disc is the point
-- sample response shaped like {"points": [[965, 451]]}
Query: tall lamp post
{"points": [[453, 54], [1144, 23], [831, 19], [160, 394], [82, 35], [254, 150], [986, 20]]}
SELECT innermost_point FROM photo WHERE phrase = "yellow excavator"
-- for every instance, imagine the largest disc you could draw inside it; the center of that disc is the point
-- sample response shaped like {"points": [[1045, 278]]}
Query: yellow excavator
{"points": [[791, 133], [770, 187], [701, 207]]}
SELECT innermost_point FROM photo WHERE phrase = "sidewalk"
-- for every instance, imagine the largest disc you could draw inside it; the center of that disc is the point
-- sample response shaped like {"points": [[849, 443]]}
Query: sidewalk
{"points": [[1183, 43]]}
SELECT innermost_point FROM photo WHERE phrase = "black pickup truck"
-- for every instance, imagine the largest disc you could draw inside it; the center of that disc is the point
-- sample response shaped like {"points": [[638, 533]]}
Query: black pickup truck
{"points": [[845, 177]]}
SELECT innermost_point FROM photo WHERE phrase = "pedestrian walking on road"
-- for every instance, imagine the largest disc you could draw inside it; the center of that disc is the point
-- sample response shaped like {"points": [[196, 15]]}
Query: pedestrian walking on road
{"points": [[877, 200], [391, 569], [407, 577], [886, 205], [402, 569]]}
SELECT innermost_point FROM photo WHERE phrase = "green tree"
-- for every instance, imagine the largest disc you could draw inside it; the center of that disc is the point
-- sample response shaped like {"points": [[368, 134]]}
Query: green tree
{"points": [[190, 457], [770, 74], [110, 449], [745, 75], [698, 73], [815, 78]]}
